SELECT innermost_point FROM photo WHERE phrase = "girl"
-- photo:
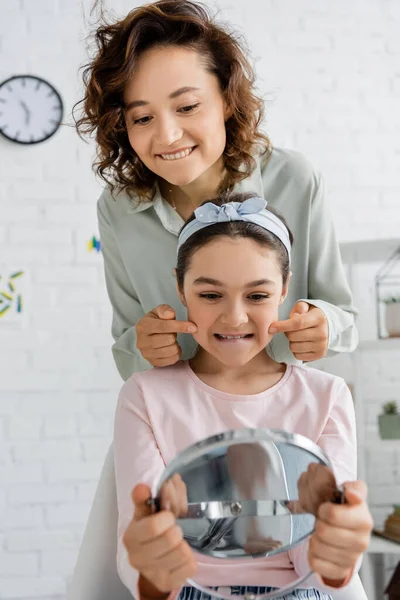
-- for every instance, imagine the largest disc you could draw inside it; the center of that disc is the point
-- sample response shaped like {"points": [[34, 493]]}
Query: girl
{"points": [[170, 96], [232, 274]]}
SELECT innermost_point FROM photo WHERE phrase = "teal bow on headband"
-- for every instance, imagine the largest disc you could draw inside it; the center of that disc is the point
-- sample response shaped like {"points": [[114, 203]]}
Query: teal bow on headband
{"points": [[252, 210]]}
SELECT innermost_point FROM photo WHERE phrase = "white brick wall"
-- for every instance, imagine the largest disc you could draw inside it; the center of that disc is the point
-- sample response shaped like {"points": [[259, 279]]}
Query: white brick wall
{"points": [[330, 74]]}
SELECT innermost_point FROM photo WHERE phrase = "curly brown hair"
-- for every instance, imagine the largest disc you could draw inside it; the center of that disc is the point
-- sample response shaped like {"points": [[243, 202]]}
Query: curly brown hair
{"points": [[118, 47]]}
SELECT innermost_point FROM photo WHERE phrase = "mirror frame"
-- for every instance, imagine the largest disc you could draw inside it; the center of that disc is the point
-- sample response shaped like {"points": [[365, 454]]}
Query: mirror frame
{"points": [[229, 438]]}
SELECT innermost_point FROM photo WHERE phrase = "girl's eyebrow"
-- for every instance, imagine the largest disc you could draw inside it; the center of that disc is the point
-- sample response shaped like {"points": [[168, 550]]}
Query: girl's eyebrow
{"points": [[210, 281], [175, 94]]}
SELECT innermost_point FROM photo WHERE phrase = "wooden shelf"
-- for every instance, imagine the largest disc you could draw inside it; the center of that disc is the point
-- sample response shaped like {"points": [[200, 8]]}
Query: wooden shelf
{"points": [[368, 251]]}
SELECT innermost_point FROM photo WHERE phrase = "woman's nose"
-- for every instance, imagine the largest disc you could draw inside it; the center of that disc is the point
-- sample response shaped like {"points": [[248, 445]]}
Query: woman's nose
{"points": [[167, 132]]}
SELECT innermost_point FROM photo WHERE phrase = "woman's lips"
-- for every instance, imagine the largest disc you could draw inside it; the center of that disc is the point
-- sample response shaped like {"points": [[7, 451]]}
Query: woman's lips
{"points": [[178, 155]]}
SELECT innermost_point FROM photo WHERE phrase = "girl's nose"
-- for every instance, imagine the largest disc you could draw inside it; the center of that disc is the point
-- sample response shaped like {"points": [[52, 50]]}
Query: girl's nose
{"points": [[235, 315]]}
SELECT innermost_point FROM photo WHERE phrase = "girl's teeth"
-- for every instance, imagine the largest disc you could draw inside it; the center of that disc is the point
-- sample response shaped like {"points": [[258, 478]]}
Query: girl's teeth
{"points": [[232, 337], [177, 154]]}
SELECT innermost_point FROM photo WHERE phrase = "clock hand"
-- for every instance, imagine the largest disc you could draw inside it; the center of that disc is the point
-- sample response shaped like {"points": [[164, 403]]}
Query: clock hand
{"points": [[27, 112]]}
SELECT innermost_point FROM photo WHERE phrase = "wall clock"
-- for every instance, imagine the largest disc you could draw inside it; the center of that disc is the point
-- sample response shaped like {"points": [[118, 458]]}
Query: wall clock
{"points": [[31, 109]]}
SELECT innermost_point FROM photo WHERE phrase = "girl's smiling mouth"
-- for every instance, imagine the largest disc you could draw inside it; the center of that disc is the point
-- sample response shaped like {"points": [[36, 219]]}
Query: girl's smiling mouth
{"points": [[233, 337]]}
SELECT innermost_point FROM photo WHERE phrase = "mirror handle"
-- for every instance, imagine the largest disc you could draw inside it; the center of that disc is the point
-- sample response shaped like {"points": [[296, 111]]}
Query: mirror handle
{"points": [[155, 504], [339, 496]]}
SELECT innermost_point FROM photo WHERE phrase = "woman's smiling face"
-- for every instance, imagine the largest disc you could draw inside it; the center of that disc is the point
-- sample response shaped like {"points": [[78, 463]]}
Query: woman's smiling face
{"points": [[232, 290], [175, 114]]}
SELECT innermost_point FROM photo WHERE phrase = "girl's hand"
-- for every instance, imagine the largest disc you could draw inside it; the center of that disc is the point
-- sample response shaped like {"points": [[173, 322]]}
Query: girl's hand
{"points": [[342, 533], [173, 495], [156, 336], [307, 331], [156, 548]]}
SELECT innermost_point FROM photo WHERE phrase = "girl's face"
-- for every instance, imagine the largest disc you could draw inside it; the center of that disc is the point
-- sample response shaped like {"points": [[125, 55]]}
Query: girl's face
{"points": [[232, 290], [175, 115]]}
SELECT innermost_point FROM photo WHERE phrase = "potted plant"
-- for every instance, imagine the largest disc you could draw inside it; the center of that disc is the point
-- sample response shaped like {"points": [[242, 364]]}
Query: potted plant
{"points": [[392, 315], [392, 523], [389, 422]]}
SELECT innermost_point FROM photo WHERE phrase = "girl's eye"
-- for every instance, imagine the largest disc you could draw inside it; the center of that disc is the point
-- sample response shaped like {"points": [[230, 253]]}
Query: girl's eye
{"points": [[258, 297], [210, 296], [188, 109], [141, 121]]}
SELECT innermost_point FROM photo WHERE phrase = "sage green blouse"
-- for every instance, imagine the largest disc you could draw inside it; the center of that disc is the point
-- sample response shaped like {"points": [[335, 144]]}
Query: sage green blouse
{"points": [[139, 242]]}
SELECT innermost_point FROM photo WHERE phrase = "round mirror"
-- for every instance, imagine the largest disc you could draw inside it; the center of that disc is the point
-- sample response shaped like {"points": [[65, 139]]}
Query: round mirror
{"points": [[243, 495]]}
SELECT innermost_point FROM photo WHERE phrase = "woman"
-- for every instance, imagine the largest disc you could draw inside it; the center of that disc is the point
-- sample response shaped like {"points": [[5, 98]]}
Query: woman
{"points": [[170, 96]]}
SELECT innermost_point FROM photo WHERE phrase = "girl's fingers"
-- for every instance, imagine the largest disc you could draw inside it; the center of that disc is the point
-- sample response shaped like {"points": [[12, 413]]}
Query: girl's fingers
{"points": [[340, 539], [329, 570], [340, 556], [182, 492], [163, 553], [344, 516], [186, 571], [169, 497], [148, 528], [157, 548], [170, 561], [356, 491], [173, 559], [174, 494], [167, 579]]}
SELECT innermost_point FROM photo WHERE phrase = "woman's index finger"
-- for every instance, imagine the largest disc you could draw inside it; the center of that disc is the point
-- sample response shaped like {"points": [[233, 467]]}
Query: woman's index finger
{"points": [[172, 326]]}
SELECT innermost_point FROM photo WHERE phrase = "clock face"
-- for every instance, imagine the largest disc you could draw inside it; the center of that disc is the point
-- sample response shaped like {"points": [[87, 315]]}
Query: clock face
{"points": [[31, 109]]}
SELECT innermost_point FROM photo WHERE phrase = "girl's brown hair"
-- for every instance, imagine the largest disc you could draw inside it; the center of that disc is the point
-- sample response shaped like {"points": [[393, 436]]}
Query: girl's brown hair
{"points": [[232, 229], [119, 46]]}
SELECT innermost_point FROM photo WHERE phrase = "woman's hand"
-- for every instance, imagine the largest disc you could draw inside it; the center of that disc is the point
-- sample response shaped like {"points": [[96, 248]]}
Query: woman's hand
{"points": [[307, 331], [156, 336], [342, 534], [156, 547]]}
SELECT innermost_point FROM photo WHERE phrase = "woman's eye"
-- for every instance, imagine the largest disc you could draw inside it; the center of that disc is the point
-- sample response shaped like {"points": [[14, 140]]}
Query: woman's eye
{"points": [[188, 109], [210, 296], [141, 121], [258, 297]]}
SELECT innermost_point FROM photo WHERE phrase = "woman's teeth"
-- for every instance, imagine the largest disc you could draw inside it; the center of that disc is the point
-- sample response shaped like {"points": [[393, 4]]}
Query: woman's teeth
{"points": [[178, 155]]}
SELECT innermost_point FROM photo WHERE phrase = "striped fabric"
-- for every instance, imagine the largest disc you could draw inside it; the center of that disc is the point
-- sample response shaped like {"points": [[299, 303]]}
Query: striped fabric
{"points": [[190, 593]]}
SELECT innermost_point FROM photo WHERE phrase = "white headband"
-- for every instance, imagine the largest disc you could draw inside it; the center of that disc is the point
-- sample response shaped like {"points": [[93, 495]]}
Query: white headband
{"points": [[252, 210]]}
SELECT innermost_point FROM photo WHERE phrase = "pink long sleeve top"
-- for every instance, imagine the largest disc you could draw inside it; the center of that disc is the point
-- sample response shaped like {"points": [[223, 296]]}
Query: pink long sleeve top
{"points": [[162, 411]]}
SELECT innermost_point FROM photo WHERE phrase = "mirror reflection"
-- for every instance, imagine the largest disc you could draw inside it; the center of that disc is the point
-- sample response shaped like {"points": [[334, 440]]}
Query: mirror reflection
{"points": [[247, 493]]}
